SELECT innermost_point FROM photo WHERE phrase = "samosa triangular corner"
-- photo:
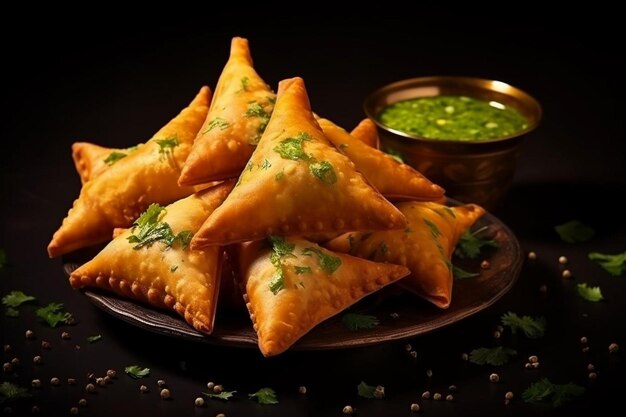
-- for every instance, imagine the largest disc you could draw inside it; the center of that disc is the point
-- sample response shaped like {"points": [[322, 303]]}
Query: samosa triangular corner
{"points": [[297, 183], [367, 132]]}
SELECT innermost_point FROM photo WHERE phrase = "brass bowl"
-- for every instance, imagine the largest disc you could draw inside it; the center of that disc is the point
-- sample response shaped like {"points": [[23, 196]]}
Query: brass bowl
{"points": [[477, 172]]}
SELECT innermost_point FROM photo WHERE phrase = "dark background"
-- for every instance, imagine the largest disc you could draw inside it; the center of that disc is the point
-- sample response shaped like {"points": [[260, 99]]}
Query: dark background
{"points": [[115, 83]]}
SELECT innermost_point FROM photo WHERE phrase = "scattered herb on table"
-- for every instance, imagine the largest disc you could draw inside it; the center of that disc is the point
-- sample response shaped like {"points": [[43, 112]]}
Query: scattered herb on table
{"points": [[459, 273], [16, 298], [94, 338], [544, 390], [368, 391], [54, 315], [224, 395], [354, 321], [491, 356], [11, 312], [589, 293], [11, 392], [265, 396], [136, 372], [470, 245], [574, 232], [533, 328], [613, 264]]}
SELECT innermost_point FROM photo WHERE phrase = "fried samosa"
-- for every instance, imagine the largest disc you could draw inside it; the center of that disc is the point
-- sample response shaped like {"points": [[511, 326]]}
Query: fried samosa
{"points": [[241, 108], [392, 178], [148, 175], [152, 262], [292, 285], [296, 183], [425, 246], [367, 133], [91, 160]]}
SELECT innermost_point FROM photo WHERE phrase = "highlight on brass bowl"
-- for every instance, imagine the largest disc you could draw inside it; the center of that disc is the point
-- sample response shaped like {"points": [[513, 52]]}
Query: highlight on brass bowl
{"points": [[471, 170]]}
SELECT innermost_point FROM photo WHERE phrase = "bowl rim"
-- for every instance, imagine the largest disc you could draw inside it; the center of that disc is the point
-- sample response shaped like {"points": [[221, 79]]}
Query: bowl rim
{"points": [[372, 98]]}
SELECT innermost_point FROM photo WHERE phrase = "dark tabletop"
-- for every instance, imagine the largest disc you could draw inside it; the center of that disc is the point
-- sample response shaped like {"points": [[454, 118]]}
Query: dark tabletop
{"points": [[116, 83]]}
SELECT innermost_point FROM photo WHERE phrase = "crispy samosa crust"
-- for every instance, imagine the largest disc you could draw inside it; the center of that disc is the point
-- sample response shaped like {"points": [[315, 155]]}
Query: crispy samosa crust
{"points": [[367, 133]]}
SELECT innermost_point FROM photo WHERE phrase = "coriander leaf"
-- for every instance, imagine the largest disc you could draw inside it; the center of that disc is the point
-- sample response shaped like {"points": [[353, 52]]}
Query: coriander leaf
{"points": [[148, 229], [462, 274], [589, 293], [574, 231], [136, 372], [495, 356], [265, 396], [113, 157], [167, 145], [265, 165], [11, 392], [94, 338], [470, 246], [366, 391], [354, 321], [302, 269], [328, 263], [278, 280], [16, 298], [218, 122], [256, 110], [532, 328], [291, 148], [434, 230], [281, 247], [245, 81], [3, 258], [224, 395], [11, 312], [184, 238], [396, 155], [53, 314], [543, 390], [279, 176], [613, 264], [323, 171], [173, 268]]}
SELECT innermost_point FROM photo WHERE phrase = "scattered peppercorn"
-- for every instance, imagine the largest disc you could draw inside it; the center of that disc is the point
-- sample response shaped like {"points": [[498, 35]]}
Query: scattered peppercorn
{"points": [[394, 315], [449, 397], [535, 365], [220, 415], [408, 347], [7, 367], [29, 334], [165, 393], [143, 389], [485, 264], [90, 387], [218, 389], [82, 402], [210, 385], [55, 381], [34, 410], [348, 409], [107, 379], [199, 402], [494, 377], [591, 367], [613, 347], [74, 411], [465, 356], [37, 360], [429, 373], [426, 395], [509, 395], [415, 407], [100, 381], [533, 359], [161, 383], [593, 375], [45, 344], [496, 334], [413, 354], [562, 260], [532, 256], [111, 373], [35, 383], [566, 273], [71, 381], [436, 396], [302, 389], [586, 349], [528, 365], [16, 362], [452, 388], [65, 336], [379, 392], [7, 348], [583, 340]]}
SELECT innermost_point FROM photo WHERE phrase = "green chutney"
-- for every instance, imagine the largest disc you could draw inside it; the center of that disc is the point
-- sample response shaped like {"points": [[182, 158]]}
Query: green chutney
{"points": [[453, 118]]}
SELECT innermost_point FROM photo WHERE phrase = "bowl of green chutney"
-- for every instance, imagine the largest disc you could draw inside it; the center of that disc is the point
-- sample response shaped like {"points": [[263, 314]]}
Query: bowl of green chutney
{"points": [[462, 133]]}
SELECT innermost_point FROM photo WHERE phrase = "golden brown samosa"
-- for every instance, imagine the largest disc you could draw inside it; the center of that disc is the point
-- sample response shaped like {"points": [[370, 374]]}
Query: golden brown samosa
{"points": [[425, 246], [241, 108], [152, 262], [92, 160], [367, 133], [293, 285], [148, 175], [296, 183], [392, 178]]}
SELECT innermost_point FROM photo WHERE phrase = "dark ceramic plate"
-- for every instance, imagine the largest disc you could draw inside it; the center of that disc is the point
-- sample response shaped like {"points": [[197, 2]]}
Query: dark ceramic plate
{"points": [[400, 315]]}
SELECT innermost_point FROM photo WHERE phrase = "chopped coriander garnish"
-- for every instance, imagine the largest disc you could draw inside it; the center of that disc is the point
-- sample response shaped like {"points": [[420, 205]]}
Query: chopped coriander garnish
{"points": [[470, 245], [256, 110], [328, 263], [459, 273], [279, 176], [224, 395], [278, 281], [53, 314], [544, 390], [613, 264], [589, 293], [113, 157], [324, 171], [491, 356], [291, 148], [3, 258], [16, 298], [533, 328], [366, 391], [354, 321], [265, 396], [302, 269], [136, 372], [11, 392], [167, 145], [11, 312], [95, 338], [173, 268], [574, 231], [265, 165], [280, 249], [148, 229], [434, 230], [245, 81], [218, 122], [280, 246]]}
